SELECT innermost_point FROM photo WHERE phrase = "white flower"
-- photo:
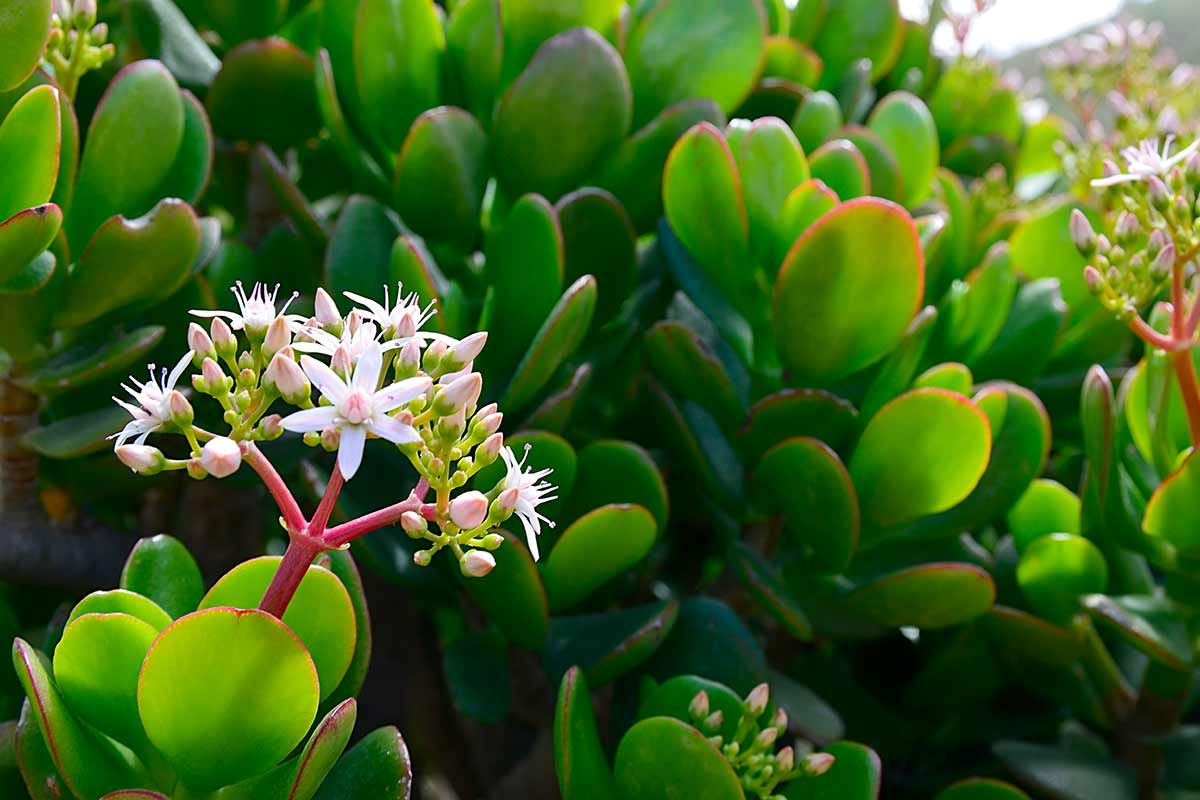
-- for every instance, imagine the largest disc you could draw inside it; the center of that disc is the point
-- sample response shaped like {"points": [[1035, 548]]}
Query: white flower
{"points": [[402, 320], [530, 494], [1146, 160], [221, 457], [358, 408], [256, 311], [153, 408], [354, 339]]}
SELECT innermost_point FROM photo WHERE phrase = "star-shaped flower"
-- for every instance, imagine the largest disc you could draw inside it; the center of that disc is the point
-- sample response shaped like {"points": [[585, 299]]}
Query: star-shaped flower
{"points": [[402, 320], [256, 311], [152, 410], [1146, 161], [532, 491]]}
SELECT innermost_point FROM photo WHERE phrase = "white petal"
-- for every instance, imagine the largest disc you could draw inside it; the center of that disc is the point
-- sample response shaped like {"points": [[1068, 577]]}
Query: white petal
{"points": [[311, 419], [393, 430], [1113, 180], [235, 320], [350, 449], [173, 378], [134, 427], [366, 371], [392, 397], [326, 380], [530, 537], [376, 309]]}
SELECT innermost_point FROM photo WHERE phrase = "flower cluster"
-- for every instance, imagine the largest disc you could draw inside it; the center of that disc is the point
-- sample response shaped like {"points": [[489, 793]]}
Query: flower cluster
{"points": [[751, 749], [376, 375], [76, 44]]}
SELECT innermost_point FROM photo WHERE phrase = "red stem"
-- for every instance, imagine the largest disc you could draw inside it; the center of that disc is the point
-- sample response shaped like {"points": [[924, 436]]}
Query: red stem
{"points": [[1151, 336], [1185, 372], [299, 555], [316, 526], [293, 517], [349, 531]]}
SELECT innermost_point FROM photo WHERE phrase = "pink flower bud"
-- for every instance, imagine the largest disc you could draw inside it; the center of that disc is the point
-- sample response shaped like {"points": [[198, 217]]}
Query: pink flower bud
{"points": [[342, 363], [408, 363], [459, 394], [413, 523], [221, 457], [780, 720], [279, 336], [491, 423], [327, 311], [141, 458], [489, 451], [816, 764], [767, 737], [214, 377], [469, 510], [199, 342], [1082, 233], [756, 701], [466, 350], [222, 337], [477, 563], [272, 426], [287, 378], [490, 408], [405, 325], [698, 708], [504, 505], [785, 759], [180, 409]]}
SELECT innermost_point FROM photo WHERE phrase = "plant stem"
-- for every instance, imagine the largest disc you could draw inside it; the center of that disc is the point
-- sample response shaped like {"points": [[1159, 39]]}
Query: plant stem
{"points": [[1185, 372], [301, 551], [316, 526], [293, 518], [349, 531]]}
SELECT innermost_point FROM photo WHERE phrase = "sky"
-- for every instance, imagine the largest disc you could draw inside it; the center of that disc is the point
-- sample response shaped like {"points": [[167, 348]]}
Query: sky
{"points": [[1013, 25]]}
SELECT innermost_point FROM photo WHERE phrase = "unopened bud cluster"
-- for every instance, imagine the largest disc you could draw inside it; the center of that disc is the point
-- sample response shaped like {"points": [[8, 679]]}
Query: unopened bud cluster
{"points": [[750, 750], [77, 44]]}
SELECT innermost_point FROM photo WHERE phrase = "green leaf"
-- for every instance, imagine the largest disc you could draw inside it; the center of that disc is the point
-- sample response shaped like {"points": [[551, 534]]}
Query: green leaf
{"points": [[413, 266], [238, 22], [804, 478], [189, 175], [672, 698], [928, 596], [162, 569], [529, 23], [856, 29], [164, 32], [265, 92], [563, 115], [663, 44], [225, 694], [76, 436], [614, 471], [320, 613], [662, 758], [832, 269], [599, 240], [771, 165], [634, 173], [816, 120], [129, 260], [360, 248], [1019, 352], [130, 147], [688, 366], [1173, 513], [1151, 623], [806, 204], [1020, 635], [475, 46], [595, 549], [711, 641], [341, 564], [96, 666], [25, 236], [92, 361], [398, 46], [377, 767], [557, 340], [512, 595], [1066, 775], [606, 646], [766, 587], [1056, 570], [856, 774], [579, 759], [367, 173], [30, 140], [796, 412], [122, 602], [841, 166], [900, 477], [981, 789], [792, 61], [975, 310], [476, 667], [33, 756], [883, 166], [1046, 507], [24, 27], [906, 126], [88, 763], [955, 377], [813, 717], [441, 174]]}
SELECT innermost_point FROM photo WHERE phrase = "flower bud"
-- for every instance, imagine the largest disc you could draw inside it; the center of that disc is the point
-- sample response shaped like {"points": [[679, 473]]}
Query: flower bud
{"points": [[408, 362], [785, 759], [766, 738], [414, 524], [83, 14], [504, 505], [1094, 280], [492, 541], [342, 363], [1127, 228], [1161, 266], [779, 720], [223, 338], [327, 313], [491, 423], [330, 439], [489, 451], [714, 720], [698, 708], [469, 510], [1160, 195], [200, 344], [466, 350], [477, 563], [756, 701], [279, 336], [99, 35], [459, 394], [405, 326], [180, 409], [221, 457], [1082, 233], [142, 459], [271, 426], [815, 764], [422, 558], [1110, 168], [432, 359], [288, 379], [196, 470]]}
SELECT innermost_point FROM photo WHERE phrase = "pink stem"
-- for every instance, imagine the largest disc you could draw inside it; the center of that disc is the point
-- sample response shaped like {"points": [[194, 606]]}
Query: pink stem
{"points": [[316, 526], [299, 555], [293, 517], [349, 531], [1151, 336]]}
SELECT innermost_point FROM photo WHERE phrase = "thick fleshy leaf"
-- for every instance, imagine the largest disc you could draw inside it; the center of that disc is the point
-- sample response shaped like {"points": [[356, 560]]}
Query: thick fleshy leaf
{"points": [[165, 33], [512, 595], [560, 335], [807, 203], [596, 548], [841, 302], [366, 171], [91, 361], [129, 260], [807, 712], [1067, 775], [613, 471], [928, 596], [377, 767], [606, 646], [883, 166], [634, 173], [974, 310], [791, 60], [981, 789], [360, 249], [30, 140], [857, 29], [770, 164], [1020, 635], [816, 120], [38, 774], [342, 564], [672, 698], [163, 570], [441, 174], [529, 23], [130, 147], [1151, 623], [579, 759], [96, 667], [599, 240], [25, 236], [475, 50], [1019, 352], [796, 412], [1173, 513], [841, 166], [557, 409], [476, 669], [1046, 507], [803, 478], [122, 602], [567, 111], [320, 613], [955, 377], [398, 47], [225, 694], [896, 373], [413, 266], [900, 478], [525, 268], [238, 22], [76, 436], [905, 125], [764, 584], [711, 641], [24, 26], [264, 92], [663, 44], [688, 366], [1056, 570], [89, 764], [663, 758], [856, 774]]}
